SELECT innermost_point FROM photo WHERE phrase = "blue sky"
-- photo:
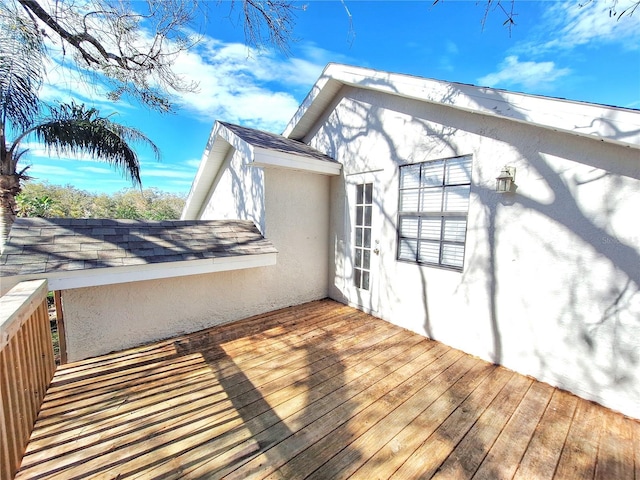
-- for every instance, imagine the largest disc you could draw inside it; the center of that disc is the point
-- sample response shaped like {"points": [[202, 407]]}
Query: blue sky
{"points": [[556, 49]]}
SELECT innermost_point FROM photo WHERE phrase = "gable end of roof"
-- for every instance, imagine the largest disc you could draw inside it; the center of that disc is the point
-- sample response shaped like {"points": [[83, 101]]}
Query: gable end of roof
{"points": [[610, 124]]}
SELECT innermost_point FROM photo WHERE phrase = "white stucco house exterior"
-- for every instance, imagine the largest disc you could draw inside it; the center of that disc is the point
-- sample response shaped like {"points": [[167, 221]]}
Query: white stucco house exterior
{"points": [[394, 210], [381, 194]]}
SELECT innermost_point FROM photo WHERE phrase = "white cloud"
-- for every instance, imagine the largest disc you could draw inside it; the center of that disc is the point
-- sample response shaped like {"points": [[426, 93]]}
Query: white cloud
{"points": [[172, 173], [38, 170], [585, 23], [98, 170], [530, 75], [193, 162], [242, 85], [572, 25], [39, 151], [236, 83], [447, 61]]}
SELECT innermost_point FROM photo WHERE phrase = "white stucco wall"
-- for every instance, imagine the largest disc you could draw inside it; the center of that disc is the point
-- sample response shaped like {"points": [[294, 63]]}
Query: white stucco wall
{"points": [[238, 194], [109, 318], [293, 209], [550, 286]]}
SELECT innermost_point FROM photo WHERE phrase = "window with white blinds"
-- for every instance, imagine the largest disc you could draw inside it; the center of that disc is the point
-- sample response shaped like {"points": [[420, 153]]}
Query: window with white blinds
{"points": [[434, 203]]}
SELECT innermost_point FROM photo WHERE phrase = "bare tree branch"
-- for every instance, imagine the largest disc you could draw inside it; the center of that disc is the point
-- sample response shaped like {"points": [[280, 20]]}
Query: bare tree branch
{"points": [[135, 44]]}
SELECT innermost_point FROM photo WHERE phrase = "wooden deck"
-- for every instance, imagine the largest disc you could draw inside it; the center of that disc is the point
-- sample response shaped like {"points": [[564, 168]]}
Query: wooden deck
{"points": [[318, 391]]}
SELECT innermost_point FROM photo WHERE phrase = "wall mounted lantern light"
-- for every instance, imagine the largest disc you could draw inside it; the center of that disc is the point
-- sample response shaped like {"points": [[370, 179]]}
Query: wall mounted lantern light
{"points": [[505, 181]]}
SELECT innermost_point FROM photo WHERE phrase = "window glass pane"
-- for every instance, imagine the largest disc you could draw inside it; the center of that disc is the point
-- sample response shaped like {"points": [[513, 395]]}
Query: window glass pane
{"points": [[365, 280], [409, 200], [358, 237], [367, 216], [455, 229], [452, 254], [357, 275], [409, 227], [432, 174], [358, 255], [359, 193], [359, 215], [458, 170], [367, 238], [368, 193], [456, 199], [408, 249], [431, 200], [429, 252], [430, 228], [410, 176]]}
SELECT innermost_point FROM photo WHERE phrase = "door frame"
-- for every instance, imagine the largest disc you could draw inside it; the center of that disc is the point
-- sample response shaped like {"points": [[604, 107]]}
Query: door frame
{"points": [[366, 300]]}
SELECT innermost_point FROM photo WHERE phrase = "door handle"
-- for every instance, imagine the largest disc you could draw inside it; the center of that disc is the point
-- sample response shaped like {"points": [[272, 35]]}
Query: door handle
{"points": [[376, 251]]}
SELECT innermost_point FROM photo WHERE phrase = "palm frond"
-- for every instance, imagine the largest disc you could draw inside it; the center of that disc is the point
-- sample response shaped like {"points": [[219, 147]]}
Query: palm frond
{"points": [[21, 67], [75, 129]]}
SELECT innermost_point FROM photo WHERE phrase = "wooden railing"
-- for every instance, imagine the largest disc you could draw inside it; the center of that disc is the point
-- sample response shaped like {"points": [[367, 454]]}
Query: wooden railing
{"points": [[26, 368]]}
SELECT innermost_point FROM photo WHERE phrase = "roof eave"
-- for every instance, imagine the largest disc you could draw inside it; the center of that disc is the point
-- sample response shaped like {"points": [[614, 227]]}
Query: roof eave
{"points": [[208, 173], [608, 124], [64, 280], [221, 141], [269, 158]]}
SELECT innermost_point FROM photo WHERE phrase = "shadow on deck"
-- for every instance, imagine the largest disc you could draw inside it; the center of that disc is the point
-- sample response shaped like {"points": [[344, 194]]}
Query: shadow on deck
{"points": [[321, 391]]}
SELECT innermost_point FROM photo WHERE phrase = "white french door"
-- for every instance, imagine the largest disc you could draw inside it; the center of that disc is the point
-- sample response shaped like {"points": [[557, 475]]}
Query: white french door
{"points": [[363, 224]]}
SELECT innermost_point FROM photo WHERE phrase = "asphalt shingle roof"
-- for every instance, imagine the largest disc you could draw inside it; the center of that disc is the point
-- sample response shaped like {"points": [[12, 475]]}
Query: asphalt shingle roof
{"points": [[43, 245], [276, 142]]}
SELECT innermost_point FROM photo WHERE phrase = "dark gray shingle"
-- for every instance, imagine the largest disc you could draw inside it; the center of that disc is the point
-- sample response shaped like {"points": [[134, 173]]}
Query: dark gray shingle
{"points": [[43, 245], [276, 142]]}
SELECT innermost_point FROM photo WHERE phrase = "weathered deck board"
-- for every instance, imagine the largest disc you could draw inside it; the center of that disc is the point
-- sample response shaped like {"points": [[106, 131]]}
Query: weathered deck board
{"points": [[319, 391]]}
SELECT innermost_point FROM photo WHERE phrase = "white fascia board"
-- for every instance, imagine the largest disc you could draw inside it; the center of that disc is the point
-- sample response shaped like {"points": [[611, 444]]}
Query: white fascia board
{"points": [[270, 158], [209, 170], [135, 273], [600, 122], [264, 157], [312, 107]]}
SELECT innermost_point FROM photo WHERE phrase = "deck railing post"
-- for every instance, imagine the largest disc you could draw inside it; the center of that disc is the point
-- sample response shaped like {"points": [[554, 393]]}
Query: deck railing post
{"points": [[27, 366]]}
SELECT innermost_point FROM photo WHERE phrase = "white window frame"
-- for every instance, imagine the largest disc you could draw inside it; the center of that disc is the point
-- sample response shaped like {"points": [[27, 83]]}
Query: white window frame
{"points": [[433, 212]]}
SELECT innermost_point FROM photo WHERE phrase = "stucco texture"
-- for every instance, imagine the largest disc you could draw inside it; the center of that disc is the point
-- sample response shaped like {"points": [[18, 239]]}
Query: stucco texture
{"points": [[292, 209], [551, 280]]}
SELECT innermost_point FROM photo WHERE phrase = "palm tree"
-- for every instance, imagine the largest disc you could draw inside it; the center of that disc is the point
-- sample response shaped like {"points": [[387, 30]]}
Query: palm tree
{"points": [[66, 129]]}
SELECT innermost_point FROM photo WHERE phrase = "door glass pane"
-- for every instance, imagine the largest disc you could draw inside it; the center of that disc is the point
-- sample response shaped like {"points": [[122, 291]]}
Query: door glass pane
{"points": [[367, 215], [368, 193], [362, 234], [358, 237], [367, 238], [365, 280], [366, 259]]}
